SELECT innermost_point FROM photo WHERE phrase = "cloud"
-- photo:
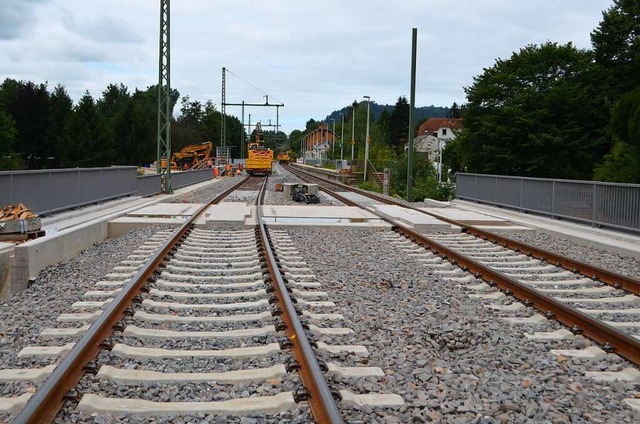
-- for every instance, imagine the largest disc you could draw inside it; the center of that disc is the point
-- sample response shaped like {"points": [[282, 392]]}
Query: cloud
{"points": [[315, 56], [16, 15], [101, 29]]}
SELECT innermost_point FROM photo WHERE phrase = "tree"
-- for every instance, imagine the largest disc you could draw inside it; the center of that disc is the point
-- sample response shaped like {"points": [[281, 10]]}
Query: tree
{"points": [[622, 164], [7, 136], [28, 105], [85, 145], [536, 114], [399, 124], [61, 109], [295, 141], [384, 124], [616, 45], [454, 112]]}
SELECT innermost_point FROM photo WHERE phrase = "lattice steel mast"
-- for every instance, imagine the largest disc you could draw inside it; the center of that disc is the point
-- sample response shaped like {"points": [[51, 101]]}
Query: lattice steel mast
{"points": [[164, 99], [223, 114]]}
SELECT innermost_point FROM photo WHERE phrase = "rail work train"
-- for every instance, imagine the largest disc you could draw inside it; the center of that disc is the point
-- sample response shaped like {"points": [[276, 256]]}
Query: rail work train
{"points": [[260, 158]]}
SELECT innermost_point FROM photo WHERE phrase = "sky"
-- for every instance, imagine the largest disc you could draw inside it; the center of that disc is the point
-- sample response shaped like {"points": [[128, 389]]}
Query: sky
{"points": [[312, 56]]}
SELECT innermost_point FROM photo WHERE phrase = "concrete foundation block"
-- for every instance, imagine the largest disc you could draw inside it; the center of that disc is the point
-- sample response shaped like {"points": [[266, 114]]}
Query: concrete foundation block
{"points": [[5, 267]]}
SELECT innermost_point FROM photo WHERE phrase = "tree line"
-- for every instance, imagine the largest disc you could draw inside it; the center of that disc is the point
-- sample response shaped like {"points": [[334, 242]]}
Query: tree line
{"points": [[44, 129], [550, 111], [556, 111]]}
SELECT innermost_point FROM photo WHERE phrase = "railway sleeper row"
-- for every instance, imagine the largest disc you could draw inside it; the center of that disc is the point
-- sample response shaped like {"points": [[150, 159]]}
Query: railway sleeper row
{"points": [[185, 315], [519, 314]]}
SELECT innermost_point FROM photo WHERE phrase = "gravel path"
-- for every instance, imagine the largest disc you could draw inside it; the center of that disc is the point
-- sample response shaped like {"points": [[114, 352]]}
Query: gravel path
{"points": [[450, 359]]}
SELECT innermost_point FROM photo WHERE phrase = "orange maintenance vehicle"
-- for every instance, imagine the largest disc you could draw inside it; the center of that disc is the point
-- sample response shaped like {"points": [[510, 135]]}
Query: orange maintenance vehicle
{"points": [[260, 158]]}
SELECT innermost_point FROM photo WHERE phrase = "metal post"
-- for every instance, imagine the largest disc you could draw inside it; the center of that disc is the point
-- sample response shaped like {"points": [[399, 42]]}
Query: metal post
{"points": [[242, 137], [366, 143], [164, 99], [333, 139], [553, 198], [223, 109], [412, 102], [440, 159], [593, 201], [353, 132], [342, 138]]}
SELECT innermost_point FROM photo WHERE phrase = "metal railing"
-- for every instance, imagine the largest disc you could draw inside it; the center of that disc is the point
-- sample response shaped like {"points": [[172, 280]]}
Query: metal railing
{"points": [[54, 190], [599, 204]]}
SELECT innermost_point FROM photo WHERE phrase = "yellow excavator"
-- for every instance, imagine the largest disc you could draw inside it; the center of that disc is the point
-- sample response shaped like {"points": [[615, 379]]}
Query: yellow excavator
{"points": [[193, 156]]}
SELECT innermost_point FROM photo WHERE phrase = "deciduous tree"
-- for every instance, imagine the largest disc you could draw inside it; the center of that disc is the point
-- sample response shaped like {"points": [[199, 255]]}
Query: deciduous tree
{"points": [[537, 113]]}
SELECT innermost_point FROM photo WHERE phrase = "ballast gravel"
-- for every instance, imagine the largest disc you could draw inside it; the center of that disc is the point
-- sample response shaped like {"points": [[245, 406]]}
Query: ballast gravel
{"points": [[24, 315], [598, 257], [451, 359]]}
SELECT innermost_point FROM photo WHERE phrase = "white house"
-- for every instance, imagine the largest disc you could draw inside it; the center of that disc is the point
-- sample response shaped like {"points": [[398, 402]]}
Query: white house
{"points": [[434, 132]]}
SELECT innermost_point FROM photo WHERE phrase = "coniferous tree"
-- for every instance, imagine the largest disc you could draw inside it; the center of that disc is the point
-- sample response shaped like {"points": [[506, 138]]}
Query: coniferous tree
{"points": [[61, 109], [399, 124]]}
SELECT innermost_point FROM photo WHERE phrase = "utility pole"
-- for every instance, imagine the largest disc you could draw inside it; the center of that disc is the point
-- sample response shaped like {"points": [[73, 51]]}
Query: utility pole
{"points": [[353, 132], [366, 146], [412, 102], [342, 138], [164, 99], [333, 138], [242, 137]]}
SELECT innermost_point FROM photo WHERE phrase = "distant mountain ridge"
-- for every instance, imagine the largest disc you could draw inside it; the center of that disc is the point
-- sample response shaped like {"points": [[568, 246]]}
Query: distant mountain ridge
{"points": [[423, 112]]}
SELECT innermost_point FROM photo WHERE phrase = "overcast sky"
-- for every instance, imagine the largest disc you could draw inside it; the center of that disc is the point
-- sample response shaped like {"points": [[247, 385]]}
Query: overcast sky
{"points": [[314, 56]]}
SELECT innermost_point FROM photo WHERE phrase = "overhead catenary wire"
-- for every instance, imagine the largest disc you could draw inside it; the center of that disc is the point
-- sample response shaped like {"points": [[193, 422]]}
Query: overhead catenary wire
{"points": [[253, 85]]}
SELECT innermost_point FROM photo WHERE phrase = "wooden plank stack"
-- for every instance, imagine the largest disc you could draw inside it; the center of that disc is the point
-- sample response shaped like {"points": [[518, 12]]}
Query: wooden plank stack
{"points": [[11, 212], [19, 223]]}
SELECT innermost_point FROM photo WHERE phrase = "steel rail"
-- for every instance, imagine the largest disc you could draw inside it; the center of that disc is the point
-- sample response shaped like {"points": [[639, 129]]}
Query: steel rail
{"points": [[321, 401], [612, 339], [591, 271], [44, 405]]}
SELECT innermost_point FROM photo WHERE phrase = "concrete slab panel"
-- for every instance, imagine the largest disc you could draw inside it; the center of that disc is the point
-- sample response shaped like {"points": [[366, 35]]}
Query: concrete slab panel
{"points": [[358, 198], [225, 213], [466, 216], [121, 226], [167, 210], [412, 218], [320, 215]]}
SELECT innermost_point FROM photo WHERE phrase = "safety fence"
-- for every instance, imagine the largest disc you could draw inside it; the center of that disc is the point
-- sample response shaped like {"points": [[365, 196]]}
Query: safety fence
{"points": [[53, 190], [599, 204]]}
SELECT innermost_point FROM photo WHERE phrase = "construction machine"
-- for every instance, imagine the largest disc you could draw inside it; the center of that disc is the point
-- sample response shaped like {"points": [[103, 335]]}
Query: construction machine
{"points": [[260, 158], [286, 157], [193, 156]]}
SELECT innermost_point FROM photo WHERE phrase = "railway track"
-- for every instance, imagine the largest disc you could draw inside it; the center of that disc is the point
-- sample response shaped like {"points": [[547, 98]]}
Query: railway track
{"points": [[599, 304], [217, 302], [218, 282]]}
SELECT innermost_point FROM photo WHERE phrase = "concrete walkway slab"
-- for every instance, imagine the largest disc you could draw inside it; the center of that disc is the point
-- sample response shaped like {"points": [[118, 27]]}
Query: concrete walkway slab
{"points": [[414, 219], [320, 216], [625, 244]]}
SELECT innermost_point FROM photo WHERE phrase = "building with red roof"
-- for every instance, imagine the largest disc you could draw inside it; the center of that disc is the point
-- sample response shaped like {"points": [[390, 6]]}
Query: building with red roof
{"points": [[435, 131]]}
